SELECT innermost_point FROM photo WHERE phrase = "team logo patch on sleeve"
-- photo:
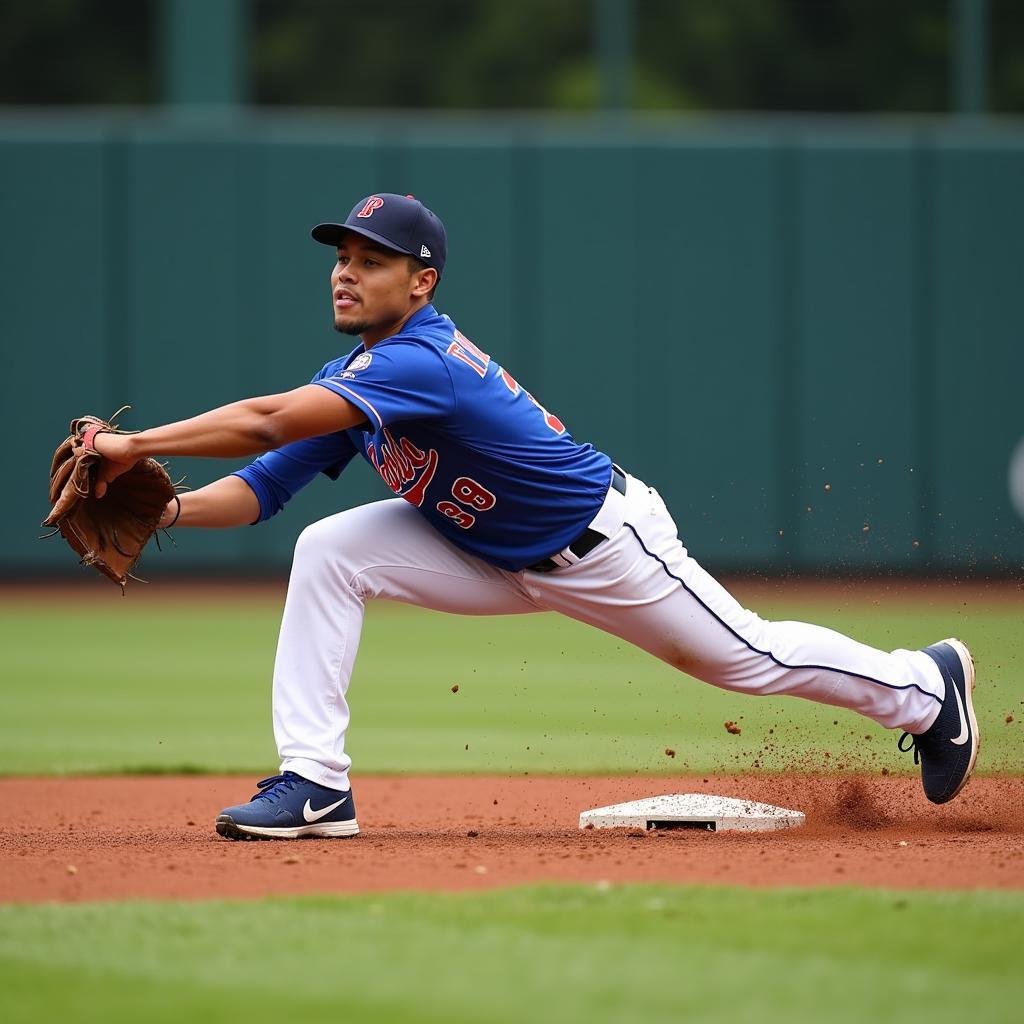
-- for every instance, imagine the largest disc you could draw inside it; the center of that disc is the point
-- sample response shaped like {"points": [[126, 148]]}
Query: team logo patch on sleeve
{"points": [[361, 362]]}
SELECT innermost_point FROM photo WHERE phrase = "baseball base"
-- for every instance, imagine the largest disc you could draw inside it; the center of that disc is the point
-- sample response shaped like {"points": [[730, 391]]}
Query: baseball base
{"points": [[701, 811]]}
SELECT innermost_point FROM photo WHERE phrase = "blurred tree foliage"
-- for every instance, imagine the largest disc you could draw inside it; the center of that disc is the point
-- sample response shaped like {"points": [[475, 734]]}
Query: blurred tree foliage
{"points": [[77, 51], [410, 53], [768, 55], [1007, 84], [760, 55], [808, 55]]}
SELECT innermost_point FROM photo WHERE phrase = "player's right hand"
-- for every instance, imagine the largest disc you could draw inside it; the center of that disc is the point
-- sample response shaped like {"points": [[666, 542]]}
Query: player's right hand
{"points": [[117, 459]]}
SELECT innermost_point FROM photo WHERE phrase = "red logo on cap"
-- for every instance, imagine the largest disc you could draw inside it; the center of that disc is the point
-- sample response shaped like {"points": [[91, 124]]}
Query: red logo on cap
{"points": [[373, 203]]}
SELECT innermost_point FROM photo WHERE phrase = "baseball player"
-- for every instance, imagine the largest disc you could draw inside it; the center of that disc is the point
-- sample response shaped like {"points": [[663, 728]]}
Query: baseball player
{"points": [[497, 510]]}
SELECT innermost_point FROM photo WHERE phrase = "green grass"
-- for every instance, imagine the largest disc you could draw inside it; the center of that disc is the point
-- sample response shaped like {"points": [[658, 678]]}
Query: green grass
{"points": [[119, 685], [635, 953]]}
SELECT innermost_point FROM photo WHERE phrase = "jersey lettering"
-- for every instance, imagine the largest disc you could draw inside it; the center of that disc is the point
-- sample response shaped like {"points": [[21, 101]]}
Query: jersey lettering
{"points": [[459, 516], [469, 492], [462, 348], [466, 491], [399, 462], [510, 382], [553, 422]]}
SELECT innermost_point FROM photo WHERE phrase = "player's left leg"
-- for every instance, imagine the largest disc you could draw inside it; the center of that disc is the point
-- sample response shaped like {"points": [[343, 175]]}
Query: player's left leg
{"points": [[643, 586], [382, 550]]}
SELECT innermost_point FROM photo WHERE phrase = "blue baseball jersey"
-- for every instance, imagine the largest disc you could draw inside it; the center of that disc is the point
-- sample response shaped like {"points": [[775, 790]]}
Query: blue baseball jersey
{"points": [[456, 436]]}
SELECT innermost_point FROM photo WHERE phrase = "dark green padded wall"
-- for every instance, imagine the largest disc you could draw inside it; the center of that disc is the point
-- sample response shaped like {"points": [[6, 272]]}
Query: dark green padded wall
{"points": [[977, 353], [54, 286], [793, 330], [711, 370], [855, 394]]}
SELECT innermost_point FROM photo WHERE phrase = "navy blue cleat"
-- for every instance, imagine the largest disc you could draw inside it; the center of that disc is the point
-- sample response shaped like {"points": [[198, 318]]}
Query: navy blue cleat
{"points": [[288, 806], [948, 750]]}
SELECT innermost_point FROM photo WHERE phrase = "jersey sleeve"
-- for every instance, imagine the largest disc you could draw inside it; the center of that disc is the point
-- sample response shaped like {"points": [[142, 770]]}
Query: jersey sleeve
{"points": [[396, 380], [278, 475]]}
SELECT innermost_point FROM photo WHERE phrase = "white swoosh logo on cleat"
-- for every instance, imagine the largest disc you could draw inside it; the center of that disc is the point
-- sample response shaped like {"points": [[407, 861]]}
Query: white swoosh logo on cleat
{"points": [[310, 815], [965, 733]]}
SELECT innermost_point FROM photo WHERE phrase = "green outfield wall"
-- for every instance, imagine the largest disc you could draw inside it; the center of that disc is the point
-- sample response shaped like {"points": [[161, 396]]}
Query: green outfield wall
{"points": [[808, 335]]}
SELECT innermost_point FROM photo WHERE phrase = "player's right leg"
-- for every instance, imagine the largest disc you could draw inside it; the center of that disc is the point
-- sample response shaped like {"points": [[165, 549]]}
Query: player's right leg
{"points": [[382, 550], [643, 586]]}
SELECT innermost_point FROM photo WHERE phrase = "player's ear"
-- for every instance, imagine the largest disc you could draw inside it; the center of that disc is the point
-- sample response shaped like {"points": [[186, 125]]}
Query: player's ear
{"points": [[424, 282]]}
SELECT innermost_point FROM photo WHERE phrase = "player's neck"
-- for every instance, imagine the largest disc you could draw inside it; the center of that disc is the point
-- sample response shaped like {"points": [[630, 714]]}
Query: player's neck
{"points": [[374, 335]]}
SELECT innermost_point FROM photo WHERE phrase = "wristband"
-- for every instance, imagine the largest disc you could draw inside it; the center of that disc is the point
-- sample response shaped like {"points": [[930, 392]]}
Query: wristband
{"points": [[89, 437]]}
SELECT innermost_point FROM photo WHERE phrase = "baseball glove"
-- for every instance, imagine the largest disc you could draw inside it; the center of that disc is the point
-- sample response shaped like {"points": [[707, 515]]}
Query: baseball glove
{"points": [[107, 533]]}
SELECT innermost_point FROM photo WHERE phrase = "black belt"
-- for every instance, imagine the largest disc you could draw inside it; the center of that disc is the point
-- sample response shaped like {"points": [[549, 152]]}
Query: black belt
{"points": [[588, 539]]}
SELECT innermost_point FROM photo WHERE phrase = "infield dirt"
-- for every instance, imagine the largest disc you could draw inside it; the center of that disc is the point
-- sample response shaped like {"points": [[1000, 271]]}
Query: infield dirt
{"points": [[75, 839]]}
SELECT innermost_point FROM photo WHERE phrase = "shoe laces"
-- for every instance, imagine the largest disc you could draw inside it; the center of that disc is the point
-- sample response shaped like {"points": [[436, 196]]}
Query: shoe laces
{"points": [[276, 786], [913, 743]]}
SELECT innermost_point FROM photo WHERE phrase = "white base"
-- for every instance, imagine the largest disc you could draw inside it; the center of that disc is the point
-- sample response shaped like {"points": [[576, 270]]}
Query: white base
{"points": [[700, 811]]}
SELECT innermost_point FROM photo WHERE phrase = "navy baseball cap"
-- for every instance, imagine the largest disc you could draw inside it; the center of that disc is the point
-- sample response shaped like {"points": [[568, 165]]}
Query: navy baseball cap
{"points": [[401, 223]]}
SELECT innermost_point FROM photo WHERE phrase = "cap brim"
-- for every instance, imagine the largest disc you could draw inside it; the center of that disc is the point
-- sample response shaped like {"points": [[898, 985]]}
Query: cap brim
{"points": [[331, 234]]}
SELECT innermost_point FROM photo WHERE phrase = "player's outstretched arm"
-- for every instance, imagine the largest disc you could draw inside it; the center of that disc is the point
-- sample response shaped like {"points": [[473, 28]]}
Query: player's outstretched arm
{"points": [[229, 501], [249, 427]]}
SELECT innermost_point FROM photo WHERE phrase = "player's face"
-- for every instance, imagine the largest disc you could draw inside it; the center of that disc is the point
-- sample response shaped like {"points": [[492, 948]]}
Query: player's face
{"points": [[375, 290]]}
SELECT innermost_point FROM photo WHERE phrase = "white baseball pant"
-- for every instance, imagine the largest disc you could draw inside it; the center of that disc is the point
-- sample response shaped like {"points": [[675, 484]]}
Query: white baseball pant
{"points": [[640, 585]]}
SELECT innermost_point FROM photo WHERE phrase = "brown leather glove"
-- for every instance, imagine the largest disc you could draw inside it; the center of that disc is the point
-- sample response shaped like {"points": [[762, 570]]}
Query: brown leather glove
{"points": [[107, 533]]}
